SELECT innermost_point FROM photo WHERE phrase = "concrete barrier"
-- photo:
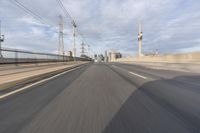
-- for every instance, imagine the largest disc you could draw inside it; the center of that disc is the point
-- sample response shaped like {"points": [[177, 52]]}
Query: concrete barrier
{"points": [[174, 58], [185, 62]]}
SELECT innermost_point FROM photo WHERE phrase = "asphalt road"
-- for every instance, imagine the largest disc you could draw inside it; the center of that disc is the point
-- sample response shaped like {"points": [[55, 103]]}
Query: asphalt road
{"points": [[107, 98]]}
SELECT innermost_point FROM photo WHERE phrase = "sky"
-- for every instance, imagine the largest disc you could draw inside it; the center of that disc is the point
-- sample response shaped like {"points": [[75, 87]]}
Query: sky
{"points": [[171, 26]]}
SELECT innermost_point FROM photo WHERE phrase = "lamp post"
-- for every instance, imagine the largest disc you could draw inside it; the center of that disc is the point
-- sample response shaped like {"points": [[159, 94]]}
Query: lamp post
{"points": [[1, 40], [140, 36]]}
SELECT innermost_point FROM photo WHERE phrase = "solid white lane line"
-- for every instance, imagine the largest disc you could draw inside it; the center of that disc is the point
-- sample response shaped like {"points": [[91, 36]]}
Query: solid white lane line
{"points": [[138, 75], [36, 83]]}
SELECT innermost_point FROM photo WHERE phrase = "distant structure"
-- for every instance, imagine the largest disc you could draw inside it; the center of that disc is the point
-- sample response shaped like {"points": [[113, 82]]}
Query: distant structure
{"points": [[114, 55], [140, 36], [156, 52], [109, 56], [74, 36], [82, 49], [88, 50], [106, 56], [101, 58], [85, 56], [1, 40], [118, 55], [69, 53], [61, 37], [95, 56]]}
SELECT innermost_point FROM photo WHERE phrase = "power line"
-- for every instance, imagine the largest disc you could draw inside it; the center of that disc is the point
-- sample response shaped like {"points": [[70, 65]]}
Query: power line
{"points": [[28, 11], [72, 19], [33, 14], [73, 24], [65, 10]]}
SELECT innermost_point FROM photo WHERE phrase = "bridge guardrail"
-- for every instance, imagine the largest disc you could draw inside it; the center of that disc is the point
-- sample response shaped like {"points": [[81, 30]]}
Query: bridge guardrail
{"points": [[15, 56]]}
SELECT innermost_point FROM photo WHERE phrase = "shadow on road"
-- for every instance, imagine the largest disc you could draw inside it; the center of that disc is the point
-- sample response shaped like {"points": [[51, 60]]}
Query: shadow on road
{"points": [[161, 106]]}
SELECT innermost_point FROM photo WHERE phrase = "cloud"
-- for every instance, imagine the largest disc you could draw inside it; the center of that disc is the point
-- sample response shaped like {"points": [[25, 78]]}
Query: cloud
{"points": [[168, 25]]}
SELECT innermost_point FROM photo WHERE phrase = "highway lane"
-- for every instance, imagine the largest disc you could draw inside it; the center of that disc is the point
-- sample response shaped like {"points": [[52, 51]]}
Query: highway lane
{"points": [[108, 98], [175, 92], [16, 111], [156, 73]]}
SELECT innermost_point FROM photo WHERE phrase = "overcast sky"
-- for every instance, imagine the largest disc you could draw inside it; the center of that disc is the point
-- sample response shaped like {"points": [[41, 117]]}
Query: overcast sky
{"points": [[171, 26]]}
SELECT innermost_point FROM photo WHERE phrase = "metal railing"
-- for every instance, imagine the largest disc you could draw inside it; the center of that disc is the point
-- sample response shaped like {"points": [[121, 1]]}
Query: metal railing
{"points": [[13, 56]]}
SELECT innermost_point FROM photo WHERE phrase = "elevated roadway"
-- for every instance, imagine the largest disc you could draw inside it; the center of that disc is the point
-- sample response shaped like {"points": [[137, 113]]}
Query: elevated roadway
{"points": [[106, 98]]}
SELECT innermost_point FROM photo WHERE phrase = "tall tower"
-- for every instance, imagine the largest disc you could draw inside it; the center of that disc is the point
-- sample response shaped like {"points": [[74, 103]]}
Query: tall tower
{"points": [[140, 35], [61, 37], [82, 48], [74, 38], [1, 40]]}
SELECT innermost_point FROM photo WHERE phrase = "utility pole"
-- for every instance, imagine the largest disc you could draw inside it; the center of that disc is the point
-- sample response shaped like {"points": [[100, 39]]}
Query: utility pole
{"points": [[61, 37], [1, 40], [140, 35], [74, 38]]}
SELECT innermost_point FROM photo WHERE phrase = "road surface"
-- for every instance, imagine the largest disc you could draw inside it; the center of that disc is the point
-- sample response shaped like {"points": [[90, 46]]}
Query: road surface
{"points": [[107, 98]]}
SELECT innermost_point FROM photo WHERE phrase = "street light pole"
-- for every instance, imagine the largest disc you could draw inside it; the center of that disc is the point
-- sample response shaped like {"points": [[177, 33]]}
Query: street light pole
{"points": [[140, 35], [1, 40]]}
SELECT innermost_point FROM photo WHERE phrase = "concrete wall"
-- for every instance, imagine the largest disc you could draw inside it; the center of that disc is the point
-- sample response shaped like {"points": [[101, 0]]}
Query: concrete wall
{"points": [[175, 58], [189, 62]]}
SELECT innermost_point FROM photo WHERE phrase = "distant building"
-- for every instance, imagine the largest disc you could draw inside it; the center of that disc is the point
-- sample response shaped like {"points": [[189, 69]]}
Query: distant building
{"points": [[109, 56], [100, 58], [118, 55], [114, 55], [95, 56], [69, 53]]}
